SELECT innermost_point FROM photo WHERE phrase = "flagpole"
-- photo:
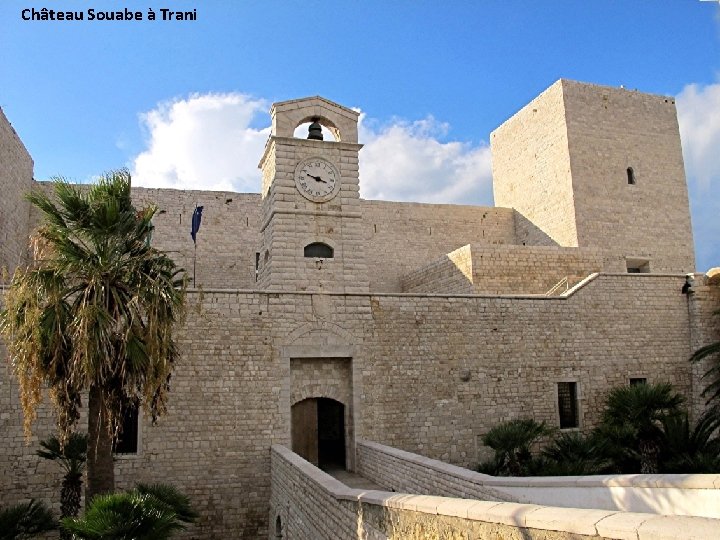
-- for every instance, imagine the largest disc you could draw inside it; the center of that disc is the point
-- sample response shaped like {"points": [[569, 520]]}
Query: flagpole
{"points": [[194, 260]]}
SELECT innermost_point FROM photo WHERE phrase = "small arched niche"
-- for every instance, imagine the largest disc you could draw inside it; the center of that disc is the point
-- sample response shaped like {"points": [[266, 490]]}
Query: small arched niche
{"points": [[319, 250]]}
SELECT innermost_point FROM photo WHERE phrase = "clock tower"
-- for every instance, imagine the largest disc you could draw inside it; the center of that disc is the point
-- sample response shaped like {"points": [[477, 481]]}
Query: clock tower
{"points": [[311, 216]]}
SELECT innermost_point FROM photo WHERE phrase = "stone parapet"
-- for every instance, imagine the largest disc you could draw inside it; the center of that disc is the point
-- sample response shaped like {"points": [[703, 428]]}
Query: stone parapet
{"points": [[307, 503], [663, 494]]}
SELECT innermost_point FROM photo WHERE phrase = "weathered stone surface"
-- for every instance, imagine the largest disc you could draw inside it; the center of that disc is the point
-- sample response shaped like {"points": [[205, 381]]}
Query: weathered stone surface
{"points": [[428, 372]]}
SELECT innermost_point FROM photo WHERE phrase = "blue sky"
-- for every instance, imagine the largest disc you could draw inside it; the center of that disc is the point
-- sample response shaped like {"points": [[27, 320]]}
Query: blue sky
{"points": [[184, 103]]}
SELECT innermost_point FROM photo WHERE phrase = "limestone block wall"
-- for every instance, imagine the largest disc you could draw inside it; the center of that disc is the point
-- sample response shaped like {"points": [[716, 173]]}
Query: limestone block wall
{"points": [[531, 269], [226, 243], [451, 274], [401, 237], [304, 501], [610, 130], [472, 362], [308, 504], [24, 475], [290, 222], [429, 375], [704, 305], [666, 494], [531, 170], [16, 172], [403, 472], [509, 269]]}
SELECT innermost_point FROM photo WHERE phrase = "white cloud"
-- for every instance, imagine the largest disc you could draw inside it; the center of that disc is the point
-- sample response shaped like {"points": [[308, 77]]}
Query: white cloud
{"points": [[699, 118], [203, 142], [206, 142], [407, 161]]}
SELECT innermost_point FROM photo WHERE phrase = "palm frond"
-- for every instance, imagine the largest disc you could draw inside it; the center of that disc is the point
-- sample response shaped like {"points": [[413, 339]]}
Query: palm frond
{"points": [[71, 456], [25, 520], [98, 307], [170, 495], [132, 515]]}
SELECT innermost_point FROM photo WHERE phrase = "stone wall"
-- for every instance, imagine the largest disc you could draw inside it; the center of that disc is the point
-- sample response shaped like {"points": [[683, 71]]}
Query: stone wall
{"points": [[304, 502], [509, 269], [662, 494], [430, 375], [704, 307], [562, 162], [403, 472], [16, 172], [224, 256], [23, 475], [450, 274], [531, 170], [402, 237], [230, 393], [610, 130], [308, 504], [229, 238], [472, 362]]}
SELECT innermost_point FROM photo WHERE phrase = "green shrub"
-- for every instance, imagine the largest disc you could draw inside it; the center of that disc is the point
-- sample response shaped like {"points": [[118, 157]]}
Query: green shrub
{"points": [[26, 520], [150, 512]]}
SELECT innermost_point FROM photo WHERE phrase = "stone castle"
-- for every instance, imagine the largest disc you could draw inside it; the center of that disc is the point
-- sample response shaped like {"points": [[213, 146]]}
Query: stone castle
{"points": [[319, 319]]}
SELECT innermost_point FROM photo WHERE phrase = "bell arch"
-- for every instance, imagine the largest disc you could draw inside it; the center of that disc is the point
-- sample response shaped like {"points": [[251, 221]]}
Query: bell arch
{"points": [[288, 115], [326, 124]]}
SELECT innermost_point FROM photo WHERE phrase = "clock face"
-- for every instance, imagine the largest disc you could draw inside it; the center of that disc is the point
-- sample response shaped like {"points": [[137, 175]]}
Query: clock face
{"points": [[317, 179]]}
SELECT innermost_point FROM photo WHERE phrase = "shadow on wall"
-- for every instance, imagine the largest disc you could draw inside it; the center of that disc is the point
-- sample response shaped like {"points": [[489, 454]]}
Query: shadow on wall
{"points": [[451, 274], [529, 234]]}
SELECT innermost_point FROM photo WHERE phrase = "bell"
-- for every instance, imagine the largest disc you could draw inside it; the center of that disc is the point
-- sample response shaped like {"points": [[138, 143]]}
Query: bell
{"points": [[315, 131]]}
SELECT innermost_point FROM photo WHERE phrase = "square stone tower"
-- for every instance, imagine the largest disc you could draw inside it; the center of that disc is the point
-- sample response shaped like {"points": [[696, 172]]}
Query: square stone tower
{"points": [[595, 166], [311, 217]]}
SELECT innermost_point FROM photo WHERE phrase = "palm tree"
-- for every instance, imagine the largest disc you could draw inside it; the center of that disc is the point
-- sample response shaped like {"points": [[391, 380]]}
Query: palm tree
{"points": [[72, 457], [25, 520], [511, 441], [147, 513], [574, 454], [639, 410], [94, 313], [691, 450]]}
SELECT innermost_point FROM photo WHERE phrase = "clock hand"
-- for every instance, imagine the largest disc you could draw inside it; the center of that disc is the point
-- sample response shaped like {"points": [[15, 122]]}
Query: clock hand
{"points": [[317, 178]]}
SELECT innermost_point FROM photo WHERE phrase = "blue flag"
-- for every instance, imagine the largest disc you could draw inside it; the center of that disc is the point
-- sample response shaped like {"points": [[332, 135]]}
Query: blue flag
{"points": [[196, 219]]}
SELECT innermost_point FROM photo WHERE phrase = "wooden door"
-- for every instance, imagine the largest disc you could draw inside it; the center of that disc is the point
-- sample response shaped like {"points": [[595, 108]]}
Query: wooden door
{"points": [[304, 430]]}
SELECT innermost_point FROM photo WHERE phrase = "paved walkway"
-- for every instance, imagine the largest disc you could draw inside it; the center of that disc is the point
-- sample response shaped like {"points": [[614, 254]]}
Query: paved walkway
{"points": [[352, 480]]}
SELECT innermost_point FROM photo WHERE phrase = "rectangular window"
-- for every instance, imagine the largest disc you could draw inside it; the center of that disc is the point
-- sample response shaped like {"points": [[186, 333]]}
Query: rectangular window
{"points": [[637, 380], [127, 441], [638, 266], [567, 404], [257, 265]]}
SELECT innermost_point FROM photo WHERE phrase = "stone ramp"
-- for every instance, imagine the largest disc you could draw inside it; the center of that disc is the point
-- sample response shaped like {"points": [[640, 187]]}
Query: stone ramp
{"points": [[353, 480]]}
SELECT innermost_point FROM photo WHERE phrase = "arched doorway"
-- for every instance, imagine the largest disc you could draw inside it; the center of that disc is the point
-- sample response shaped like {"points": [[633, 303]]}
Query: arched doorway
{"points": [[318, 432]]}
